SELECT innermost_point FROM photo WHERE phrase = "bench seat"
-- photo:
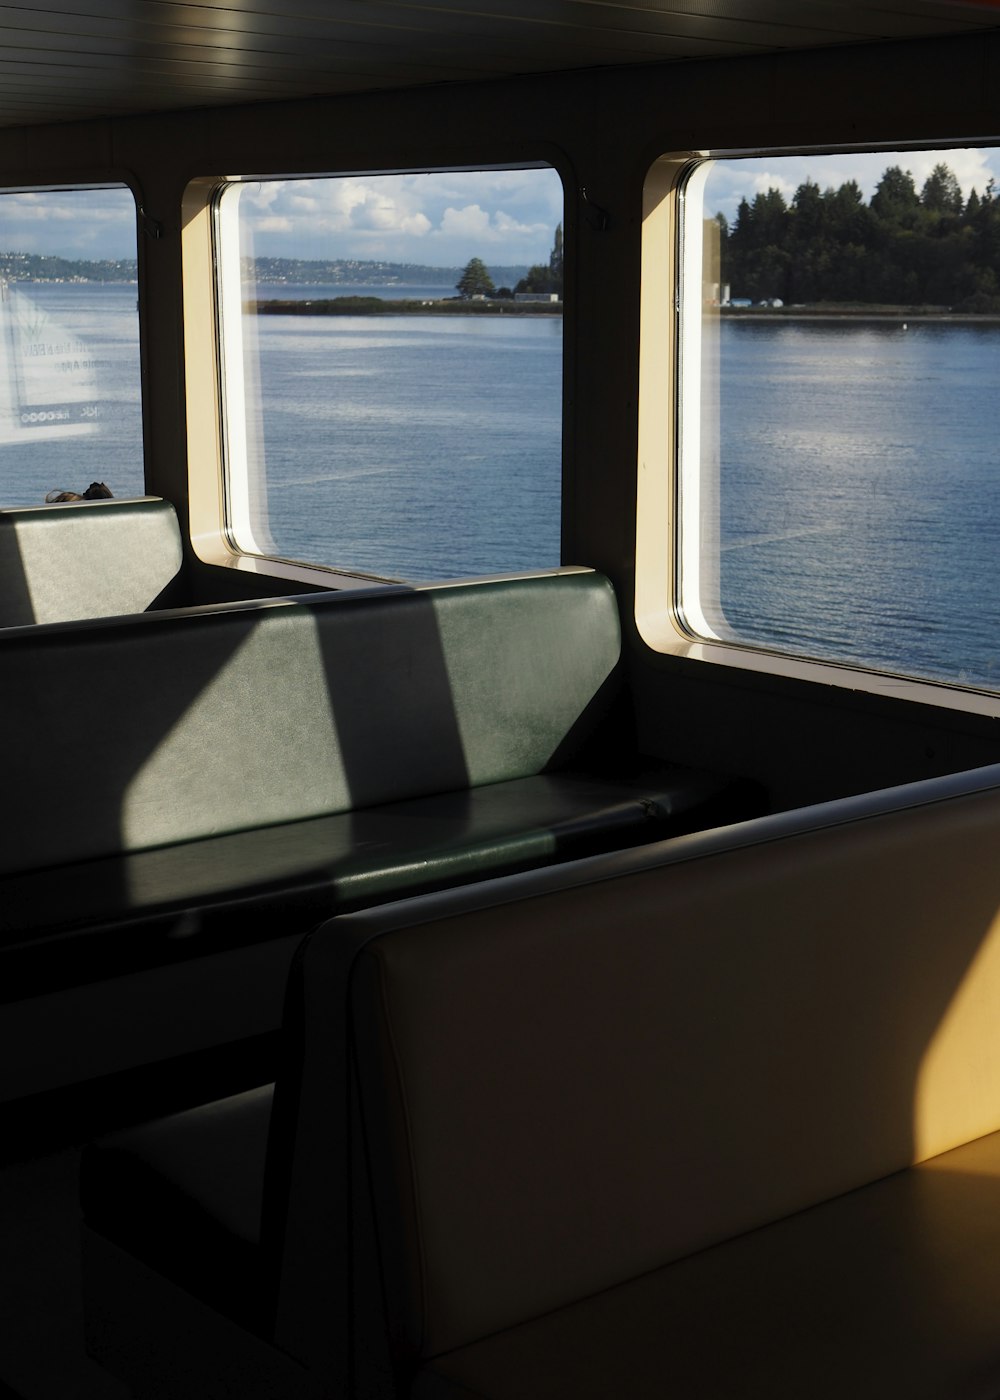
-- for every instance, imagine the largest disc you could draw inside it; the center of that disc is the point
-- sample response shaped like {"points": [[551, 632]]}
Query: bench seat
{"points": [[198, 787], [715, 1117], [179, 902], [890, 1291]]}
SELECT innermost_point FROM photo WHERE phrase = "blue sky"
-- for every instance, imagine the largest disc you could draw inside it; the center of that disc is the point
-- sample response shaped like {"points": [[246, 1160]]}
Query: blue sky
{"points": [[95, 224], [438, 219]]}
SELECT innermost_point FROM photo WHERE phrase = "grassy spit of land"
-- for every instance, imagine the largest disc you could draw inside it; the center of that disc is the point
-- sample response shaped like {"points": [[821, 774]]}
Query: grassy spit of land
{"points": [[858, 311], [459, 306], [385, 306]]}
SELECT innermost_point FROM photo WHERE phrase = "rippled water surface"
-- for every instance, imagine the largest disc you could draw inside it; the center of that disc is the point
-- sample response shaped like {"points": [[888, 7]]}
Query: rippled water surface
{"points": [[415, 447], [860, 493], [858, 476]]}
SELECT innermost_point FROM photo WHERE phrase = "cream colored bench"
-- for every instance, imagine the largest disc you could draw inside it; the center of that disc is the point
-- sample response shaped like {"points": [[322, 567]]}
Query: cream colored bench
{"points": [[716, 1118]]}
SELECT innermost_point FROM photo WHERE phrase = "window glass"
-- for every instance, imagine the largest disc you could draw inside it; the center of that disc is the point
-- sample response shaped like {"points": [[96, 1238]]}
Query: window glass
{"points": [[839, 417], [392, 352], [70, 411]]}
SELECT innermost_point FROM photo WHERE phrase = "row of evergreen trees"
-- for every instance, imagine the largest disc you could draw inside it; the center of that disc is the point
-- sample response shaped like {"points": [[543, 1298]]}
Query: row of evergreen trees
{"points": [[476, 281], [901, 248], [546, 278]]}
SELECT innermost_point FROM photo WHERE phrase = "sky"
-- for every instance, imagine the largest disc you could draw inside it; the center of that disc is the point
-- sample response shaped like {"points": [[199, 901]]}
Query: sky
{"points": [[98, 224], [732, 180], [436, 219]]}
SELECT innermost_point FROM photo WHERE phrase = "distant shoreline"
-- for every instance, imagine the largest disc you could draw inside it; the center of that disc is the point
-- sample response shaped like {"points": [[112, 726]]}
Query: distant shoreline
{"points": [[388, 306], [888, 314], [366, 305]]}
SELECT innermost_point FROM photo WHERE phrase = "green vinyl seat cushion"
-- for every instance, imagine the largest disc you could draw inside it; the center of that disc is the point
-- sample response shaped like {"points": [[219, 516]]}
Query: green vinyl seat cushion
{"points": [[174, 902]]}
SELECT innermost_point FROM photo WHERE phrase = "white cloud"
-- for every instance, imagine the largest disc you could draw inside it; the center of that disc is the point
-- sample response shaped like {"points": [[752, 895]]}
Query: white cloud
{"points": [[470, 222], [764, 180], [263, 194], [416, 225], [444, 217], [496, 229], [513, 228], [69, 223]]}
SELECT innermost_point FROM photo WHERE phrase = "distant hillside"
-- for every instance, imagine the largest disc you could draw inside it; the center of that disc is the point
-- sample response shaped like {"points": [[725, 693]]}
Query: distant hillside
{"points": [[355, 272], [340, 272], [31, 267]]}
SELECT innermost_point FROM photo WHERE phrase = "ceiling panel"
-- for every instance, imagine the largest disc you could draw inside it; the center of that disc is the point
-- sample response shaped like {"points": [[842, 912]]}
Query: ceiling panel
{"points": [[84, 58]]}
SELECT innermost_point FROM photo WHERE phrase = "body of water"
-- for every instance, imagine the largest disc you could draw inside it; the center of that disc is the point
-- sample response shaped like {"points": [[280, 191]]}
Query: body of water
{"points": [[421, 447], [859, 472], [858, 466], [70, 407]]}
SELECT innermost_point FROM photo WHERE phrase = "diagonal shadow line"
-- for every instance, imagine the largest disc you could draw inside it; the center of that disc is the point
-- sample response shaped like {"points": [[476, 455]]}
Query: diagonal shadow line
{"points": [[447, 689], [15, 596], [91, 703], [141, 731], [87, 560]]}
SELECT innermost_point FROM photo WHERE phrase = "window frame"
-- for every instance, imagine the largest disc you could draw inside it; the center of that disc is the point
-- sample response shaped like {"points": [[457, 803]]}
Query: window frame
{"points": [[204, 397], [216, 493], [666, 626], [85, 181]]}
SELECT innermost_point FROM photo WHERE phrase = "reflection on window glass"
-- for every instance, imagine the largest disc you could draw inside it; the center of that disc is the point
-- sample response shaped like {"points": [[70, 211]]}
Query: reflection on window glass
{"points": [[70, 411], [392, 350], [840, 476]]}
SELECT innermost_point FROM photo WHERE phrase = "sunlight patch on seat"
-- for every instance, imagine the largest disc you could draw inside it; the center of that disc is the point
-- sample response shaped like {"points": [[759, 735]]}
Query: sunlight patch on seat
{"points": [[257, 744], [957, 1091]]}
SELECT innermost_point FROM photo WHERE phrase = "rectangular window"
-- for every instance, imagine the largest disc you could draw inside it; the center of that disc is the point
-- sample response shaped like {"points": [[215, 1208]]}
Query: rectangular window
{"points": [[70, 410], [838, 481], [392, 370]]}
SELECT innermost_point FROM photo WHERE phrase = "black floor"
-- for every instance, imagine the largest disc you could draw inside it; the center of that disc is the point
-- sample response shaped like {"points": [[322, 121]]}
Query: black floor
{"points": [[42, 1355], [41, 1309]]}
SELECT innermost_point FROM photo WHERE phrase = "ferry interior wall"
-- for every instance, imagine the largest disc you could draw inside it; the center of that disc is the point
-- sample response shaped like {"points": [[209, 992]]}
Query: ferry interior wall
{"points": [[213, 753]]}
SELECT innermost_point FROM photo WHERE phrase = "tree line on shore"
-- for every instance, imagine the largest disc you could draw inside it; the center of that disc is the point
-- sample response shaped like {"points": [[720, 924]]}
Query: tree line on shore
{"points": [[903, 247], [476, 281]]}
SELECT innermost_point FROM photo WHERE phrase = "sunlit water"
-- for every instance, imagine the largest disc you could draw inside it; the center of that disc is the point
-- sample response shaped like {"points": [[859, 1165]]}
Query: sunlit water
{"points": [[860, 490], [414, 446], [859, 463], [69, 390]]}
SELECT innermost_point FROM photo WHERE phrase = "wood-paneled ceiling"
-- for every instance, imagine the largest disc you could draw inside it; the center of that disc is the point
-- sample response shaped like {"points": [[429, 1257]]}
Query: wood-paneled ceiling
{"points": [[64, 60]]}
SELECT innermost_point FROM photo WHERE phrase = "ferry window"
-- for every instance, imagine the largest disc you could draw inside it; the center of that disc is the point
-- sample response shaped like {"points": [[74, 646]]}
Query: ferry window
{"points": [[838, 463], [70, 411], [392, 363]]}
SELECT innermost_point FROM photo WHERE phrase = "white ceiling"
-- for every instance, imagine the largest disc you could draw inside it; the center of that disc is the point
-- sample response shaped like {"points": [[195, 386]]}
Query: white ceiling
{"points": [[72, 59]]}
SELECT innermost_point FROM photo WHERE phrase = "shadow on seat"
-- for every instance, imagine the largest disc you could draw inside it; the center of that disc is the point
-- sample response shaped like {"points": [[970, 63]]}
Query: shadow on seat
{"points": [[87, 559]]}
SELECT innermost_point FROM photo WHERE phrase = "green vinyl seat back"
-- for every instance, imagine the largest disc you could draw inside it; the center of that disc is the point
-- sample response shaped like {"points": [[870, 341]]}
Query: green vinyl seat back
{"points": [[86, 559], [145, 731]]}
